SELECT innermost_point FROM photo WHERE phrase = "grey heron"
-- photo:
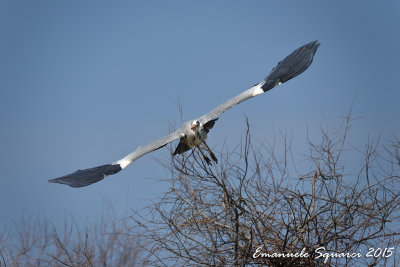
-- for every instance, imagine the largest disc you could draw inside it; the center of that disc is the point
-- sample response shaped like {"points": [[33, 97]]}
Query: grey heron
{"points": [[193, 133]]}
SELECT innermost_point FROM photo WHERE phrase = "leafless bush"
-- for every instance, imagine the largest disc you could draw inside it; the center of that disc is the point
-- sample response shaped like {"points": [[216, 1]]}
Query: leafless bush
{"points": [[258, 199], [36, 242], [258, 206]]}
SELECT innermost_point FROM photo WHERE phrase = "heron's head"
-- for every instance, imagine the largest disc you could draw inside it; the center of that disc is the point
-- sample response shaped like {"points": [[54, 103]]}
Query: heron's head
{"points": [[195, 125]]}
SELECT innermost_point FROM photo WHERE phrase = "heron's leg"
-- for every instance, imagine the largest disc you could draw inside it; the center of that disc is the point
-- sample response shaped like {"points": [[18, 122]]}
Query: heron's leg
{"points": [[211, 153], [205, 157]]}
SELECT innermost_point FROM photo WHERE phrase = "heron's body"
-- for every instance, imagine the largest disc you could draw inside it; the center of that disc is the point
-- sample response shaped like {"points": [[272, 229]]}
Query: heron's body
{"points": [[194, 133], [195, 137]]}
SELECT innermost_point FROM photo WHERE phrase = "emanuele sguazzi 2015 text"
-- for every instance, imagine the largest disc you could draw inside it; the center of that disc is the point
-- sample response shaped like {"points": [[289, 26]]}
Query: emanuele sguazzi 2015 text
{"points": [[321, 252]]}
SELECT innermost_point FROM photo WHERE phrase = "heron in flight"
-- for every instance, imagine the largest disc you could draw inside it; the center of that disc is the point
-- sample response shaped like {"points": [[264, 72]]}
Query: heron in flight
{"points": [[193, 133]]}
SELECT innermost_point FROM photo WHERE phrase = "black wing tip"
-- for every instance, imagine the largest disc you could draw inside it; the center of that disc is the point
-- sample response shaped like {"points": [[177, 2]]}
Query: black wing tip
{"points": [[313, 46], [86, 177], [291, 66]]}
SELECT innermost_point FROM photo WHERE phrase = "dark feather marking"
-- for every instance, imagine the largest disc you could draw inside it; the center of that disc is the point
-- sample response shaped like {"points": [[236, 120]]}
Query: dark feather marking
{"points": [[86, 177], [160, 147], [209, 125], [294, 64], [181, 148]]}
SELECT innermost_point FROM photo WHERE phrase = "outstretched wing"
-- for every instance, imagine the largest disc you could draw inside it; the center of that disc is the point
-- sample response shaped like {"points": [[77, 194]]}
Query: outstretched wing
{"points": [[294, 64], [86, 177]]}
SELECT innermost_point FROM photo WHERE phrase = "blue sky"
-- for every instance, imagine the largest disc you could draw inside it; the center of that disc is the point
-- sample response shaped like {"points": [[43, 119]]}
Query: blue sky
{"points": [[84, 83]]}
